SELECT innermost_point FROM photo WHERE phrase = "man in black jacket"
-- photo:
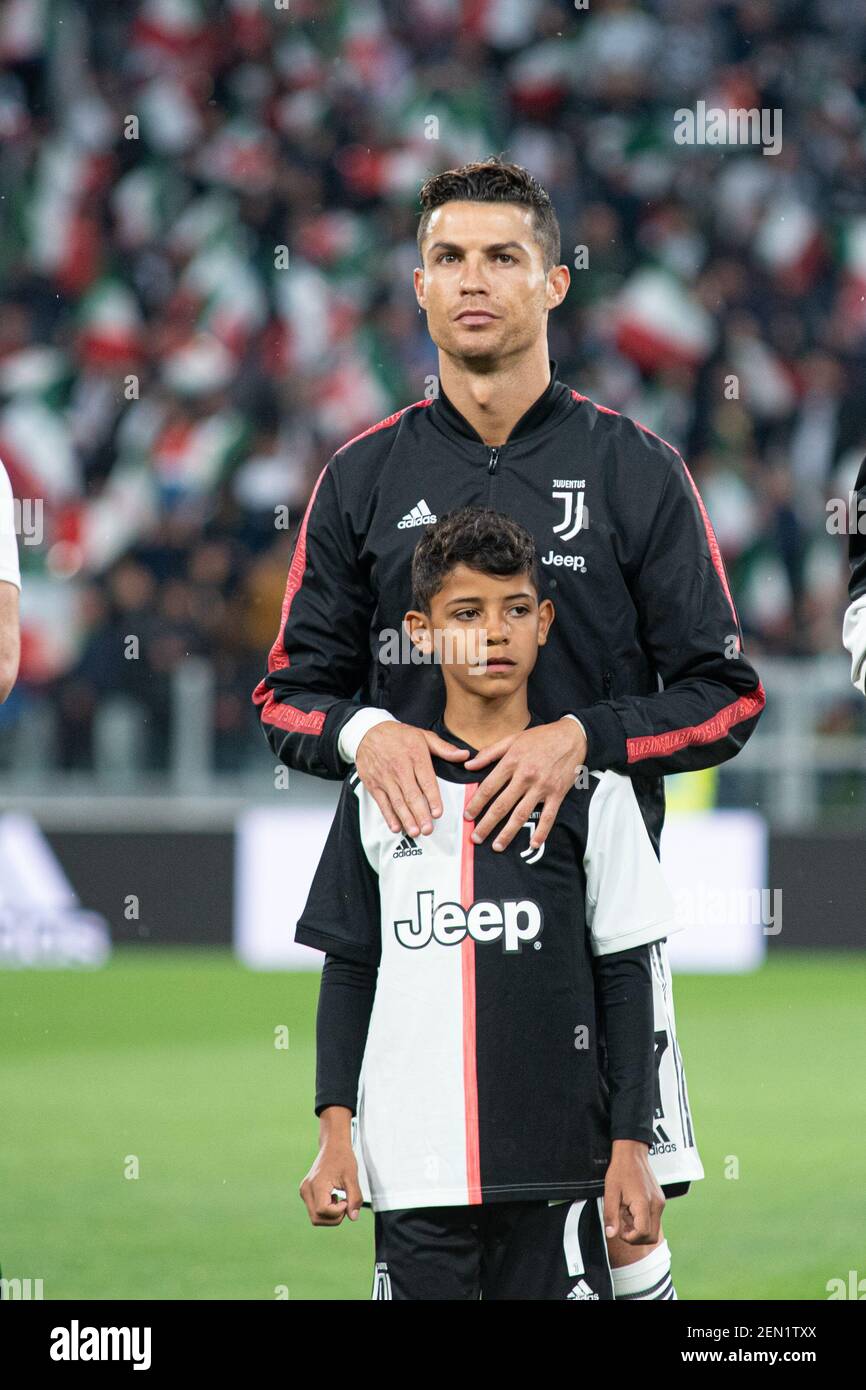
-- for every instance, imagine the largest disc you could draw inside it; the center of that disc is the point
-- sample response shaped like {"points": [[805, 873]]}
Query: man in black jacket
{"points": [[645, 671]]}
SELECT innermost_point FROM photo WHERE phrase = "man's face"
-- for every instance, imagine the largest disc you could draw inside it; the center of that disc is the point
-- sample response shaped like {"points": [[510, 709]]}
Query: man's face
{"points": [[484, 257], [485, 629]]}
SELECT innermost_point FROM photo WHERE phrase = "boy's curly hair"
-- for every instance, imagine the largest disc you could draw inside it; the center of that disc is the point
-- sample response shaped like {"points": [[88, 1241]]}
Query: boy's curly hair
{"points": [[479, 537]]}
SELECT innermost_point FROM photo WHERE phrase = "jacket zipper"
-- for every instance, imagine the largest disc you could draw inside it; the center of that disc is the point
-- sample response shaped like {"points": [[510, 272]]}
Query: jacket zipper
{"points": [[492, 462], [607, 681]]}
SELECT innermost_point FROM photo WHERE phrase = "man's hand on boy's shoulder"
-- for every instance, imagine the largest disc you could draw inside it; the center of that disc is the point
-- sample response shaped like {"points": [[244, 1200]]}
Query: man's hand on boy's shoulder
{"points": [[394, 764], [335, 1167], [633, 1200], [538, 765]]}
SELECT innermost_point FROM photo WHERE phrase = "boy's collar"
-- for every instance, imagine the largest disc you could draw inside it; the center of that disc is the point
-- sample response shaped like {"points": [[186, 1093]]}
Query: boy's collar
{"points": [[441, 728]]}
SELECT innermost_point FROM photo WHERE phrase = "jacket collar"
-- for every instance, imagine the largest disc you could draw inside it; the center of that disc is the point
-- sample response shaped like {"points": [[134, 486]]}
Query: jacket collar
{"points": [[553, 401]]}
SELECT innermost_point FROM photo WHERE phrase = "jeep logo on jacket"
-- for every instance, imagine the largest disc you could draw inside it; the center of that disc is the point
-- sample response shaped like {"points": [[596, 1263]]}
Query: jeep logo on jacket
{"points": [[646, 647]]}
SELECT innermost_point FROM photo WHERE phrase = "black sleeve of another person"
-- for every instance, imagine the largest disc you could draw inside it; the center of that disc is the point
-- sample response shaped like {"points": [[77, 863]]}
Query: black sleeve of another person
{"points": [[345, 1003], [625, 996]]}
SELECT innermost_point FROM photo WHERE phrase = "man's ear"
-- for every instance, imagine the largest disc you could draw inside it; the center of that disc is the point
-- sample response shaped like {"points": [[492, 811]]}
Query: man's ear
{"points": [[558, 281], [418, 282], [546, 615], [418, 627]]}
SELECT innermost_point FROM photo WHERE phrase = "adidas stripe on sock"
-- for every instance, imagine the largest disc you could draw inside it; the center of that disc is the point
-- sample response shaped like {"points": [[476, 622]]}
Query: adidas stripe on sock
{"points": [[646, 1279]]}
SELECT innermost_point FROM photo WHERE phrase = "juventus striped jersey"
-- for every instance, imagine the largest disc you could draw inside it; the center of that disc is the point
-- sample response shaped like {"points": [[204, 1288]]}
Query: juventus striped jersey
{"points": [[483, 1075]]}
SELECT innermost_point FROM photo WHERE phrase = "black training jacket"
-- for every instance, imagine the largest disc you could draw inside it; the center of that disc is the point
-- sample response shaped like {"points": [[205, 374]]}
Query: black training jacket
{"points": [[626, 552]]}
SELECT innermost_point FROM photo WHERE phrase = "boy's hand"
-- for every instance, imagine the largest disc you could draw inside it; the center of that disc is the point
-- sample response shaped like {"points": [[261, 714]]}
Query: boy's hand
{"points": [[393, 762], [335, 1166], [633, 1200], [538, 765]]}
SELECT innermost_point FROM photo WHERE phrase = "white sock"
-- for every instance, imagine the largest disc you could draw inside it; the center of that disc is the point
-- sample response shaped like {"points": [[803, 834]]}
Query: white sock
{"points": [[646, 1279]]}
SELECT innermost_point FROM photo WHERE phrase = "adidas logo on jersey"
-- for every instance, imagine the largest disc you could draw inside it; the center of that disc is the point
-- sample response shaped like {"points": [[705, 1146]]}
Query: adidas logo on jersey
{"points": [[406, 847], [420, 515], [582, 1290], [511, 921], [663, 1142]]}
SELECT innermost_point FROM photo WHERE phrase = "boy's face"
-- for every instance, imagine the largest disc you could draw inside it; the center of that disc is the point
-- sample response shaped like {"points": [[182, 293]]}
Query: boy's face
{"points": [[485, 629]]}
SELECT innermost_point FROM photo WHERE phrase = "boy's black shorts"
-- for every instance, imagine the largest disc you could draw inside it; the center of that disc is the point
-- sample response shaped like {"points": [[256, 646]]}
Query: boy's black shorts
{"points": [[505, 1250]]}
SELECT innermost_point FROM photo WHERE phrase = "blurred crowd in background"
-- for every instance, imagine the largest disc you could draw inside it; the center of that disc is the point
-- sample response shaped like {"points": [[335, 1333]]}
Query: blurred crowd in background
{"points": [[207, 238]]}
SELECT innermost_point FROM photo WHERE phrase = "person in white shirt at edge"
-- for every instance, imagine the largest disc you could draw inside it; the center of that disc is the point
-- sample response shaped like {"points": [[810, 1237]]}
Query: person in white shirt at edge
{"points": [[10, 587], [854, 625]]}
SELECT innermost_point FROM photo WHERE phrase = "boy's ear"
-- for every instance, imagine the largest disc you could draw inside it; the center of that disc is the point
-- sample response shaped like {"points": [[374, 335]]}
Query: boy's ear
{"points": [[546, 615], [418, 627]]}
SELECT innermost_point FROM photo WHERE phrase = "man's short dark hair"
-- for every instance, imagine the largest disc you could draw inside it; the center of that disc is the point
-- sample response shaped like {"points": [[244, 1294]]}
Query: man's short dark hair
{"points": [[493, 181], [479, 537]]}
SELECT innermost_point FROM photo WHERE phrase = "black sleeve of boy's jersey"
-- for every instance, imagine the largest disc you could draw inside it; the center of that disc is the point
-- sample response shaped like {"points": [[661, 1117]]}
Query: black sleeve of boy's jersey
{"points": [[625, 994], [342, 1022], [341, 914]]}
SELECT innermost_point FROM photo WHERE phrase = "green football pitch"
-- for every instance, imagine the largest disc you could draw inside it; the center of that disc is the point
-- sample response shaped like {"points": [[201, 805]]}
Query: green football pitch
{"points": [[155, 1132]]}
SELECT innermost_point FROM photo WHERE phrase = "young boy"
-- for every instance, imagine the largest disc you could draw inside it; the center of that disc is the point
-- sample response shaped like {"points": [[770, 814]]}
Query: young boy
{"points": [[485, 1077]]}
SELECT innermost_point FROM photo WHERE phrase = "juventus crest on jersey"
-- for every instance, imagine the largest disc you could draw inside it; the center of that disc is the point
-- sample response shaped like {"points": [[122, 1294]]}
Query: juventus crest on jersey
{"points": [[483, 1076]]}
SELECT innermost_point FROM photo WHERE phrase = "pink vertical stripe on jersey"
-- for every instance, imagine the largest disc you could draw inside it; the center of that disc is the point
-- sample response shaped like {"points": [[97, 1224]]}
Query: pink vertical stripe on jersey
{"points": [[467, 965]]}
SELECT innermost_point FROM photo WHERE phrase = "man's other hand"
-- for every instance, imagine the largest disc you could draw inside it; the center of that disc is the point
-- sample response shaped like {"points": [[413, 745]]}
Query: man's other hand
{"points": [[535, 766], [394, 763]]}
